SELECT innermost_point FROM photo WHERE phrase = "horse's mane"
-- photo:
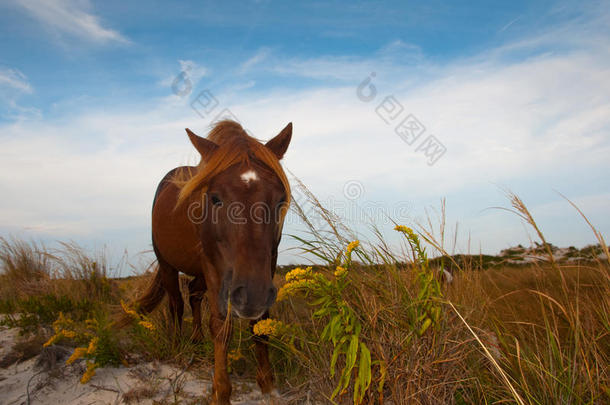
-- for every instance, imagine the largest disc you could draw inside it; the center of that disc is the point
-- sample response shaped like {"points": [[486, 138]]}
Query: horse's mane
{"points": [[234, 146]]}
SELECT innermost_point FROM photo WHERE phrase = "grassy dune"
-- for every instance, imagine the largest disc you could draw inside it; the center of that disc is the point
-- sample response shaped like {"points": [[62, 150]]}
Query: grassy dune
{"points": [[530, 334]]}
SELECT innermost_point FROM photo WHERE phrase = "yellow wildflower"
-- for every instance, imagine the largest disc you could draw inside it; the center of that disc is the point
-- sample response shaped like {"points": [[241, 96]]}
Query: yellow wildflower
{"points": [[79, 352], [298, 273], [269, 327], [282, 293], [89, 373], [62, 323], [289, 288], [353, 245], [53, 339], [148, 325], [69, 334], [128, 310], [235, 355], [404, 229], [340, 271], [93, 346], [91, 323]]}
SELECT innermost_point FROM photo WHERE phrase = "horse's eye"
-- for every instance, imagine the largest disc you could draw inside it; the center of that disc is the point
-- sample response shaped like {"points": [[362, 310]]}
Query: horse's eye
{"points": [[215, 200], [282, 201]]}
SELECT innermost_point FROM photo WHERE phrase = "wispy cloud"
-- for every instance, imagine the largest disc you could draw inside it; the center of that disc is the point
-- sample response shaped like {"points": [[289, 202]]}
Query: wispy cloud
{"points": [[255, 59], [13, 86], [535, 111], [194, 70], [185, 79], [510, 23], [500, 121], [14, 79], [71, 17]]}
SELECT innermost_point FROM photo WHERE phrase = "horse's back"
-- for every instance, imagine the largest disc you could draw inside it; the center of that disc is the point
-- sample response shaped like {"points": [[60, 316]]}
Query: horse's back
{"points": [[174, 236], [167, 180]]}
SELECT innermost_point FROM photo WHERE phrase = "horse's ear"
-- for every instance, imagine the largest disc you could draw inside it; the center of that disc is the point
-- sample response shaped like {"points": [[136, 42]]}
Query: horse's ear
{"points": [[279, 144], [204, 146]]}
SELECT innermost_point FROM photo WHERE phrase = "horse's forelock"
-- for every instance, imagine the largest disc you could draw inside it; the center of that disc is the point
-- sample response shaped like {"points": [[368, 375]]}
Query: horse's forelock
{"points": [[235, 146]]}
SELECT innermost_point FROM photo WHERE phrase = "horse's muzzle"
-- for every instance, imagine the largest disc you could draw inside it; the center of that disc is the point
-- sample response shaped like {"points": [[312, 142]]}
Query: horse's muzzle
{"points": [[247, 300]]}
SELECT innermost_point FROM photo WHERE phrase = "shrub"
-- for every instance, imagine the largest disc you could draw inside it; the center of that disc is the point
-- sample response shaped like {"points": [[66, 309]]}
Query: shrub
{"points": [[30, 313]]}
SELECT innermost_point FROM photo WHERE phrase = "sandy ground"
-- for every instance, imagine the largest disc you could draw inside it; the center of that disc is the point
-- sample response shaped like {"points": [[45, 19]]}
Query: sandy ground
{"points": [[36, 381]]}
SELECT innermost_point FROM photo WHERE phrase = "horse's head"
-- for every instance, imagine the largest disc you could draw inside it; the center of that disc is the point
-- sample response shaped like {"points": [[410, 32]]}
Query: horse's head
{"points": [[244, 206]]}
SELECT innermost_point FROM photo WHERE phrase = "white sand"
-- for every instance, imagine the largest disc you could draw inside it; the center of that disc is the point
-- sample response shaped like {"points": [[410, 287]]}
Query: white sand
{"points": [[61, 385]]}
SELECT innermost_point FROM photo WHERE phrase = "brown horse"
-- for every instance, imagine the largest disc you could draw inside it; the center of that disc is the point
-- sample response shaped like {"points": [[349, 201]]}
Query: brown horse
{"points": [[221, 222]]}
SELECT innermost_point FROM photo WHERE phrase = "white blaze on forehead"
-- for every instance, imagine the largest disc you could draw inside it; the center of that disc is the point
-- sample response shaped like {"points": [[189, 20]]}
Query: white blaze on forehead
{"points": [[249, 176]]}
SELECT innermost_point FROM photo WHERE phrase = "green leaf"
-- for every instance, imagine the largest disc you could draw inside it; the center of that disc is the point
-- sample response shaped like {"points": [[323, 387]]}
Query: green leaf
{"points": [[350, 359], [319, 301], [325, 332], [333, 360], [436, 312], [321, 312], [335, 328], [425, 326], [364, 374], [358, 329], [352, 352]]}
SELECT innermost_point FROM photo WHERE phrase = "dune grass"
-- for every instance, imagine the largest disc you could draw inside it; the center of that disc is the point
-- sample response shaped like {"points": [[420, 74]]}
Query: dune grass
{"points": [[534, 334]]}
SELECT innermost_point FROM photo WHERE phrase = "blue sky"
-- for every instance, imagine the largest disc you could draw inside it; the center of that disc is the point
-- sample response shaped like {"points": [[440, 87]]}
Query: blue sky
{"points": [[517, 93]]}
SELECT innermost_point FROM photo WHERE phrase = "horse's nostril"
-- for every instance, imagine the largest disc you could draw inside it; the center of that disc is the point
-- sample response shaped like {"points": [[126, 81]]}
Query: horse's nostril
{"points": [[272, 296], [239, 296]]}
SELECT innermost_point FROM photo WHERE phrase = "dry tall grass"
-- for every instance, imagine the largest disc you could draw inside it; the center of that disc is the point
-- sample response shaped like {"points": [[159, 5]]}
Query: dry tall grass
{"points": [[536, 334]]}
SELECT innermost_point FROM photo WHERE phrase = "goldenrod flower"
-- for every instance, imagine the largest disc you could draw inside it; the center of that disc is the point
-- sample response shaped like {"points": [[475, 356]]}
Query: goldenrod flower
{"points": [[62, 323], [269, 327], [289, 288], [79, 352], [298, 273], [69, 333], [93, 346], [353, 245], [406, 230], [128, 310], [340, 271], [148, 325], [282, 293], [89, 373], [91, 323], [53, 339], [235, 355]]}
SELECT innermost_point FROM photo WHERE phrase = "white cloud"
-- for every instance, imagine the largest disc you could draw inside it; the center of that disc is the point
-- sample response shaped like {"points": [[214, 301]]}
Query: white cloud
{"points": [[195, 71], [71, 17], [186, 79], [500, 124], [255, 59], [13, 85], [14, 79], [503, 121]]}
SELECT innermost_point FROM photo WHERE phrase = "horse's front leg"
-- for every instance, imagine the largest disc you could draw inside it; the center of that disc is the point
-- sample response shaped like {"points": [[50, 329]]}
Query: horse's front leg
{"points": [[264, 374], [220, 329], [197, 288]]}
